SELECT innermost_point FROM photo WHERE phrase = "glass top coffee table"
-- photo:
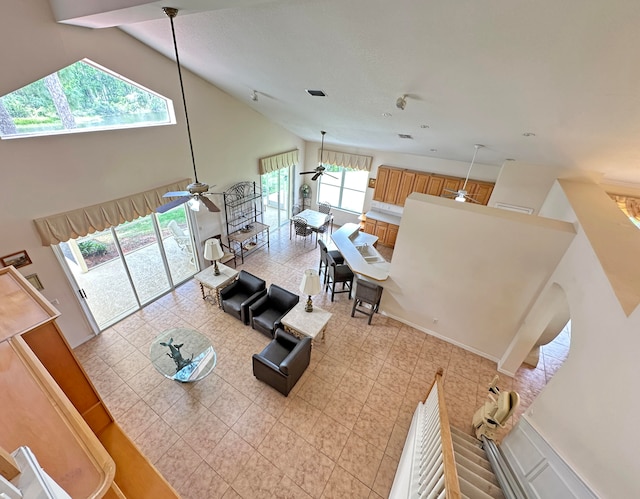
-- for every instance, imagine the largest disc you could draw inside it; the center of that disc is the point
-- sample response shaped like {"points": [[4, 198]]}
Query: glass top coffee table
{"points": [[183, 355]]}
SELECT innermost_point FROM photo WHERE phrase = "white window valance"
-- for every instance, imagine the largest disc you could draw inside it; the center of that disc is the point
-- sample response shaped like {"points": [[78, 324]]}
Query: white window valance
{"points": [[72, 224], [278, 161], [346, 160]]}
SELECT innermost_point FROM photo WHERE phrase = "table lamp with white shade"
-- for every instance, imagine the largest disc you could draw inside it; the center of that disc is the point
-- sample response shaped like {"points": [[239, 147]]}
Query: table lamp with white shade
{"points": [[213, 252], [310, 285]]}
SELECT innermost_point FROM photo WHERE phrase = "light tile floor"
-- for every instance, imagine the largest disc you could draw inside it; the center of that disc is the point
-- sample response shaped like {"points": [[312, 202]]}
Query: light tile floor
{"points": [[340, 432]]}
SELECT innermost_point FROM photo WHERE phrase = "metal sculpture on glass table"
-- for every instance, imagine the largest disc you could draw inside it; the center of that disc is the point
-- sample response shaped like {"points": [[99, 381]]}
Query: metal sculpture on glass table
{"points": [[175, 354]]}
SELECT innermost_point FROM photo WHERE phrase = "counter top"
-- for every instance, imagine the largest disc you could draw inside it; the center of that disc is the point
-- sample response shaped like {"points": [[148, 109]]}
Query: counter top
{"points": [[383, 217], [356, 248]]}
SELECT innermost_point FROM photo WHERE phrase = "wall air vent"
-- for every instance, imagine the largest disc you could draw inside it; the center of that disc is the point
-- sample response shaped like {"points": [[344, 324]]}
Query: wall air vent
{"points": [[316, 93]]}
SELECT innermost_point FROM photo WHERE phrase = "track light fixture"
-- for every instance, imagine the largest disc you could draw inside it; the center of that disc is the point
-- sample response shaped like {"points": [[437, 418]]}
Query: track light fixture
{"points": [[401, 103]]}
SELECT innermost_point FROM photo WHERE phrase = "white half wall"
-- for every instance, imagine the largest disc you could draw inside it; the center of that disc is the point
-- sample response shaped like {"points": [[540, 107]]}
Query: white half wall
{"points": [[469, 273]]}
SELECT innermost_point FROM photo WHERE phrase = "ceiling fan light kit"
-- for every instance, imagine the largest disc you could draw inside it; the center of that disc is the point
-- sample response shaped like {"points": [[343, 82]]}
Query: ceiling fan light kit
{"points": [[195, 195]]}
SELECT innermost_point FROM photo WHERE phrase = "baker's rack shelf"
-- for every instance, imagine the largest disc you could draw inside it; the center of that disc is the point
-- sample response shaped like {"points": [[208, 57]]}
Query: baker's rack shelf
{"points": [[243, 208]]}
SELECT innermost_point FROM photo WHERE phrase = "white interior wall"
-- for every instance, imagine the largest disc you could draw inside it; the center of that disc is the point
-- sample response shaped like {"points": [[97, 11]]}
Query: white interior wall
{"points": [[48, 175], [449, 256], [588, 412]]}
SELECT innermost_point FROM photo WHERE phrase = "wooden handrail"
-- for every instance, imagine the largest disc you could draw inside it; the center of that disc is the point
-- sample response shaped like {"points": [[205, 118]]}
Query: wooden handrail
{"points": [[452, 485]]}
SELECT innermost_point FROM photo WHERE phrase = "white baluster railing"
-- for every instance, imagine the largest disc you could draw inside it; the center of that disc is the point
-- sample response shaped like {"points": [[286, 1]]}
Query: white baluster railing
{"points": [[427, 467]]}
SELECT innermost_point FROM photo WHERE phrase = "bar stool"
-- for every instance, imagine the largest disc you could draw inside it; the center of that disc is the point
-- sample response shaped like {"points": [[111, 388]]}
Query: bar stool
{"points": [[338, 273], [324, 263], [366, 298]]}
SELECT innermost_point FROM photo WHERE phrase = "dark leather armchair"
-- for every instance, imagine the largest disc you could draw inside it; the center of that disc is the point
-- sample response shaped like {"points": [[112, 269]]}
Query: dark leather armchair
{"points": [[266, 311], [241, 293], [283, 361]]}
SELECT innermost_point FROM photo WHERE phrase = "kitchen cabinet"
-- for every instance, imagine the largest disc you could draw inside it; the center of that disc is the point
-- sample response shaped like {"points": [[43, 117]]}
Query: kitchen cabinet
{"points": [[392, 235], [479, 191], [386, 232], [436, 183], [407, 182], [421, 183], [381, 183], [451, 185], [393, 185], [370, 226]]}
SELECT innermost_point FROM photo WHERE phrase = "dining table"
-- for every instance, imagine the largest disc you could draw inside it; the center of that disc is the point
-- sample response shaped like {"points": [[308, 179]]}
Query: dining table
{"points": [[315, 220]]}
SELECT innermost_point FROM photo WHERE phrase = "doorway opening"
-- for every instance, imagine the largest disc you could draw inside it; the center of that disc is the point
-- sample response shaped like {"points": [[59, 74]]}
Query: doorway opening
{"points": [[276, 196], [121, 269]]}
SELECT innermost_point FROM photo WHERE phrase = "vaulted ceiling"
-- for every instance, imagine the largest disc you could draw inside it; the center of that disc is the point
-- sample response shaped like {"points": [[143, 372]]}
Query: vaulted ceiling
{"points": [[542, 82]]}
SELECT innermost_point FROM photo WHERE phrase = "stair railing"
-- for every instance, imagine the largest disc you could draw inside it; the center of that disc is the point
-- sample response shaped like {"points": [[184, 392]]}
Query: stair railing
{"points": [[427, 467]]}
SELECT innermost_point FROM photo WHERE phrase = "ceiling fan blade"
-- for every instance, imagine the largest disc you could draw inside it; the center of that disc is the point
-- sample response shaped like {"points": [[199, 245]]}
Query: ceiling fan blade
{"points": [[176, 194], [304, 173], [329, 175], [172, 204], [316, 176], [209, 204], [472, 200], [450, 190]]}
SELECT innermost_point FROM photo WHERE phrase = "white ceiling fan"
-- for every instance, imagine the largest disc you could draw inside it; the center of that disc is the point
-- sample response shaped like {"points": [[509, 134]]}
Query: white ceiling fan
{"points": [[197, 192], [461, 194]]}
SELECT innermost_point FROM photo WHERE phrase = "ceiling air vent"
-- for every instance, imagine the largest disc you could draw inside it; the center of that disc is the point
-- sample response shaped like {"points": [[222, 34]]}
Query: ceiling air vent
{"points": [[316, 93], [404, 136]]}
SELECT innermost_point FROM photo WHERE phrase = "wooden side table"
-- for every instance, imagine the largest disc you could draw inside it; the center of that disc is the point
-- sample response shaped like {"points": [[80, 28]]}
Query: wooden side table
{"points": [[214, 283], [301, 323]]}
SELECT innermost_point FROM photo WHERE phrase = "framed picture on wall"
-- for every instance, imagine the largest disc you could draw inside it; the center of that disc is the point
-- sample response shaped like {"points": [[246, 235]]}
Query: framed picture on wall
{"points": [[19, 259], [35, 281]]}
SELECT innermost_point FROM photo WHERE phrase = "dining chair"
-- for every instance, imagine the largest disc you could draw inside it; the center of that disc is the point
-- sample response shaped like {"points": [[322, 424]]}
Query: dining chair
{"points": [[301, 228], [324, 207]]}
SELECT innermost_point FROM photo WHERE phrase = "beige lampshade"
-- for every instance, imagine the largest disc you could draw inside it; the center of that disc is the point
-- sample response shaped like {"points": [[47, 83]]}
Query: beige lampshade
{"points": [[212, 249], [310, 284]]}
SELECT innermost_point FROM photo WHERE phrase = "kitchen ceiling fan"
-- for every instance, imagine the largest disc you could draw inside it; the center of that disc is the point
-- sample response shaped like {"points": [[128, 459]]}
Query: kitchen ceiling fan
{"points": [[320, 169], [197, 192], [461, 195]]}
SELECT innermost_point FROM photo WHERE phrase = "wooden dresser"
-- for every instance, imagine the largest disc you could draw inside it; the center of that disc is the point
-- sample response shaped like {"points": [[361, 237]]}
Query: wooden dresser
{"points": [[49, 404]]}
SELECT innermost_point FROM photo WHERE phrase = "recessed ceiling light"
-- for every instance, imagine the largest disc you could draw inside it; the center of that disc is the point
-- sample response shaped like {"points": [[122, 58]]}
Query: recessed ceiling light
{"points": [[528, 134], [404, 136], [433, 150], [387, 115], [509, 159], [316, 93], [424, 126]]}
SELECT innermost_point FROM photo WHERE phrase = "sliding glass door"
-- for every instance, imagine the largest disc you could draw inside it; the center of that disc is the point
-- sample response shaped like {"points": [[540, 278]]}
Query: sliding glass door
{"points": [[276, 189], [121, 269]]}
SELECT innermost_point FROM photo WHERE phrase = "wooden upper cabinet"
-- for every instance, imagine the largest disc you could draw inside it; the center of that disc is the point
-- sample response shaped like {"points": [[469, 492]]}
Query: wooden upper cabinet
{"points": [[435, 185], [393, 186], [421, 183], [450, 185], [381, 183], [407, 183], [479, 191]]}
